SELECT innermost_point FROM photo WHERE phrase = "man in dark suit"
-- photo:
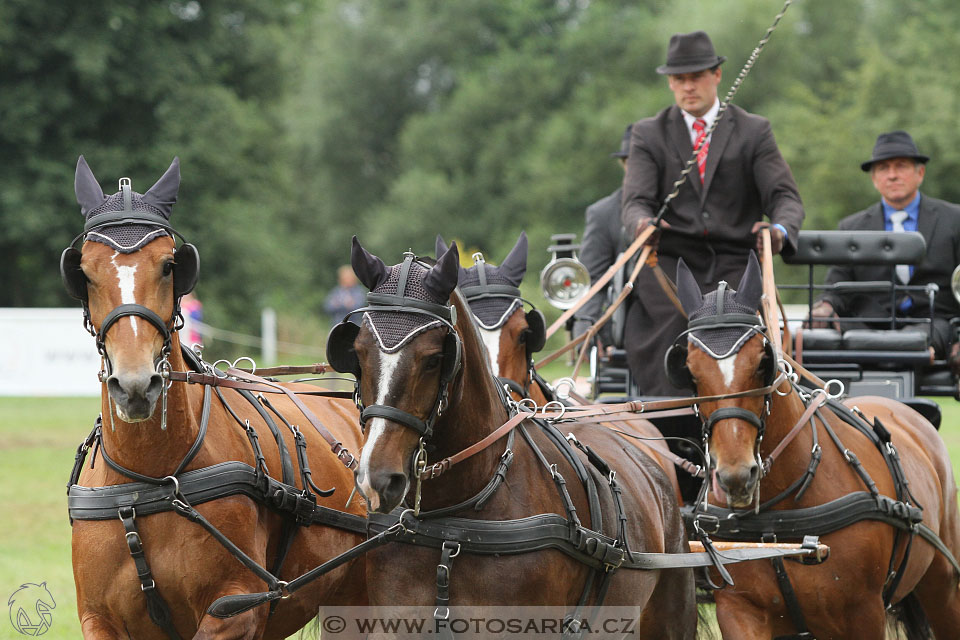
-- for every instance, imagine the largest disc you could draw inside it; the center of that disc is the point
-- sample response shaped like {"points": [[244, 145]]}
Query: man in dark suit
{"points": [[713, 223], [602, 242], [897, 169]]}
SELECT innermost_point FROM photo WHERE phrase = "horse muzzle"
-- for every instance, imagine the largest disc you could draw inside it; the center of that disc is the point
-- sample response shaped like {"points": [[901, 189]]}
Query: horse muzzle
{"points": [[135, 395], [739, 483]]}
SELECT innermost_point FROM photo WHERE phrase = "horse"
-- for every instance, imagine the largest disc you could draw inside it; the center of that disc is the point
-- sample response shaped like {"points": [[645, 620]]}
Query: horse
{"points": [[868, 454], [513, 336], [425, 382], [129, 276]]}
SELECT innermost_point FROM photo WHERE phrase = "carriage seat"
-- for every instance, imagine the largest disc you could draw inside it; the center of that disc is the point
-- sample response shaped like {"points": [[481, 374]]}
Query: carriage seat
{"points": [[865, 346]]}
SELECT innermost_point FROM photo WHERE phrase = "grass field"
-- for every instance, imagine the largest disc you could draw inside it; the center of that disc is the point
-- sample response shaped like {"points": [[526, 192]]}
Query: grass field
{"points": [[38, 439]]}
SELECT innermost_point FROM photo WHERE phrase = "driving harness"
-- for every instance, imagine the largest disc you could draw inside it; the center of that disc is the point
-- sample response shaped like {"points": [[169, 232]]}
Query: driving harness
{"points": [[763, 522]]}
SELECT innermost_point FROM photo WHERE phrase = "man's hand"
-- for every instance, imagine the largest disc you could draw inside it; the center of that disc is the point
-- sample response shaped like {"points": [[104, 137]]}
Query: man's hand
{"points": [[654, 238], [776, 237], [824, 310]]}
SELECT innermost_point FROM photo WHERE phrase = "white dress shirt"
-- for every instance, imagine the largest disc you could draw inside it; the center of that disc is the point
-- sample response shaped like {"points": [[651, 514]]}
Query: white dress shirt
{"points": [[708, 117]]}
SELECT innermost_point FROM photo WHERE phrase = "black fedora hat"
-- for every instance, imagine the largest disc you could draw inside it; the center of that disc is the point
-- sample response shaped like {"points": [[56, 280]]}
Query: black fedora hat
{"points": [[624, 150], [690, 52], [896, 144]]}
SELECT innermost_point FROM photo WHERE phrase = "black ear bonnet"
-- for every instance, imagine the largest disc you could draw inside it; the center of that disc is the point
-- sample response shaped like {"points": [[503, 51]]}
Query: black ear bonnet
{"points": [[127, 221], [721, 326], [493, 293], [398, 309]]}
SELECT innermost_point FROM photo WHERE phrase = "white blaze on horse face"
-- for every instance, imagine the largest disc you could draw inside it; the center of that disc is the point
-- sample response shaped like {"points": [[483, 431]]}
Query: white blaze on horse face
{"points": [[491, 340], [125, 276], [727, 368], [377, 426]]}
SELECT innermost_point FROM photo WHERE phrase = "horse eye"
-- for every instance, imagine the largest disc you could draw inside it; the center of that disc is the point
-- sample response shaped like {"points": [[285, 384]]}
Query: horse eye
{"points": [[523, 336], [168, 268], [433, 362]]}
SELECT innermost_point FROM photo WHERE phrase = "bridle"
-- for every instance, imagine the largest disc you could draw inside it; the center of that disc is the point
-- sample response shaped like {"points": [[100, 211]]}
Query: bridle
{"points": [[185, 273], [342, 357], [771, 374], [536, 331]]}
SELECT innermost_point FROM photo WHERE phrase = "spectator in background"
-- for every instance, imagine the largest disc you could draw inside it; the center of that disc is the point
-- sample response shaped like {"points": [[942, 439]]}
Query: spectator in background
{"points": [[192, 311], [602, 242], [346, 296], [897, 169]]}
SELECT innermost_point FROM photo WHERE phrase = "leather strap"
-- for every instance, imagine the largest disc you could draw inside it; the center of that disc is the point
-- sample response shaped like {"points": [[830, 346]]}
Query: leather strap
{"points": [[612, 270], [346, 458], [438, 469], [157, 607], [816, 402], [790, 601]]}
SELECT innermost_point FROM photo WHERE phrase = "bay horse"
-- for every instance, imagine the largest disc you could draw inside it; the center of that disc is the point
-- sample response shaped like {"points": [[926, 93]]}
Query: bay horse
{"points": [[130, 276], [513, 336], [426, 382], [844, 459]]}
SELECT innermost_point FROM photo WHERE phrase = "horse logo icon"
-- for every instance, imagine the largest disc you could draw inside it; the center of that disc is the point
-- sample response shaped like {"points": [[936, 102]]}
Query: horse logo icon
{"points": [[30, 607]]}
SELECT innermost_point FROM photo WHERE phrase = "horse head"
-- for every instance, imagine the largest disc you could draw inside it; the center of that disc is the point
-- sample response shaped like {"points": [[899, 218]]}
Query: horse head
{"points": [[406, 355], [130, 277], [725, 351], [510, 335]]}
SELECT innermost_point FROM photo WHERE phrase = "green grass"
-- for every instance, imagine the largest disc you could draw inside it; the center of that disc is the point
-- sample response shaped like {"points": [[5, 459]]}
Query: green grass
{"points": [[38, 439]]}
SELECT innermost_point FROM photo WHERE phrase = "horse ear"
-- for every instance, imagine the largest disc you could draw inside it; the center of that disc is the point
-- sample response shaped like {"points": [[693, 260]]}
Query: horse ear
{"points": [[441, 246], [89, 194], [442, 277], [750, 289], [369, 268], [691, 298], [515, 264], [163, 194]]}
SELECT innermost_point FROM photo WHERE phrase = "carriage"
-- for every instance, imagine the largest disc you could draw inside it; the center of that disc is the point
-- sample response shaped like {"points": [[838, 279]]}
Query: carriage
{"points": [[880, 360]]}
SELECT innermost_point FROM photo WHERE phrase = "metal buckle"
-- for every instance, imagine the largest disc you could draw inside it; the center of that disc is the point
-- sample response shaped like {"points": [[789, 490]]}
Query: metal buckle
{"points": [[135, 535], [445, 616], [152, 585]]}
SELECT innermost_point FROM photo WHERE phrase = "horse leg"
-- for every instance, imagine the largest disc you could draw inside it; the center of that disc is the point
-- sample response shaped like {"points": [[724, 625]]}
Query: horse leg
{"points": [[671, 611], [738, 619], [939, 595], [246, 626], [95, 627]]}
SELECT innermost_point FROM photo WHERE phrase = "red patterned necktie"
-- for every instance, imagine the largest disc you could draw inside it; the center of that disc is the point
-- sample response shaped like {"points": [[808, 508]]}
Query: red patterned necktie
{"points": [[700, 126]]}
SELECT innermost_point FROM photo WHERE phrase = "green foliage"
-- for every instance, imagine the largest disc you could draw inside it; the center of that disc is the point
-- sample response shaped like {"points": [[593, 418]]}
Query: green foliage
{"points": [[303, 123]]}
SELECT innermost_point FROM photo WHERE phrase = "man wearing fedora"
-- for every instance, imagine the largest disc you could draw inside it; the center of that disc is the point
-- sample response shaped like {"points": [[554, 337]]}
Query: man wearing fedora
{"points": [[897, 169], [739, 178], [602, 242]]}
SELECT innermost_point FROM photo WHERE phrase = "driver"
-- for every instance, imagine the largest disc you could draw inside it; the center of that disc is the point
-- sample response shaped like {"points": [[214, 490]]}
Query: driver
{"points": [[897, 169]]}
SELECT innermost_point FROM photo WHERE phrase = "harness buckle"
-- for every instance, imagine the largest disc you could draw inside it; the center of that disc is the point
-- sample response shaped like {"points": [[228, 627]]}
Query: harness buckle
{"points": [[712, 521], [147, 587], [136, 538], [444, 616]]}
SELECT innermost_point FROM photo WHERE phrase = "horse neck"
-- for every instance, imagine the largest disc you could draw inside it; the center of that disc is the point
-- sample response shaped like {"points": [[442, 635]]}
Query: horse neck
{"points": [[144, 447], [475, 411]]}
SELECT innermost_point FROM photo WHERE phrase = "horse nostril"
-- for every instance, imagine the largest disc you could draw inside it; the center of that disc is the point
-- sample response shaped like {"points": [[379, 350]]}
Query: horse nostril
{"points": [[391, 487], [754, 473], [154, 387], [115, 389]]}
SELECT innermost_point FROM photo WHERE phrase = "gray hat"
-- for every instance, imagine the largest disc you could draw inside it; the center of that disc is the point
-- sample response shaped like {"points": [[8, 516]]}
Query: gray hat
{"points": [[896, 144], [690, 52], [624, 150]]}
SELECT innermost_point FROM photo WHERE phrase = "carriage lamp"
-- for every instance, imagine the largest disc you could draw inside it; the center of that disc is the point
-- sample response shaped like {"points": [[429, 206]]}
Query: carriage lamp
{"points": [[955, 283], [564, 280]]}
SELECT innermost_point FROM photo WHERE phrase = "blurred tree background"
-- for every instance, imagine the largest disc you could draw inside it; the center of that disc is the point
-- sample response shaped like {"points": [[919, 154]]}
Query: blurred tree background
{"points": [[301, 123]]}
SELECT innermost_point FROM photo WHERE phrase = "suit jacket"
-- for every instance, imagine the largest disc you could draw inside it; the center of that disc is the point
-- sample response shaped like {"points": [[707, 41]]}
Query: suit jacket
{"points": [[745, 179], [602, 243], [939, 223]]}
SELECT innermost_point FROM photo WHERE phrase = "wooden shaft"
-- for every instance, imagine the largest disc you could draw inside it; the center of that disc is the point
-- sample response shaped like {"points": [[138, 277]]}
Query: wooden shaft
{"points": [[770, 293]]}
